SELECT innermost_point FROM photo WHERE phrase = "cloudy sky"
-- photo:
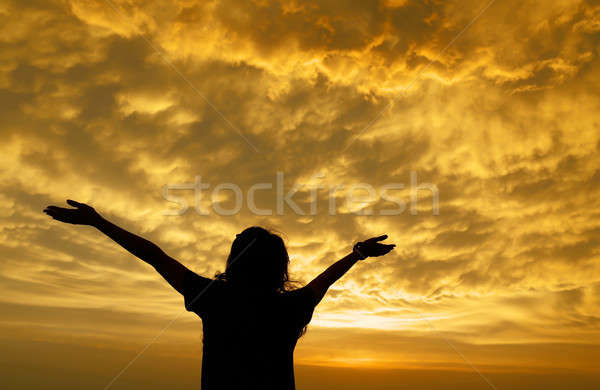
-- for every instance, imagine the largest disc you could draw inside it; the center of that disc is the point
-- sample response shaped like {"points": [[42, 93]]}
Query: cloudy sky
{"points": [[109, 101]]}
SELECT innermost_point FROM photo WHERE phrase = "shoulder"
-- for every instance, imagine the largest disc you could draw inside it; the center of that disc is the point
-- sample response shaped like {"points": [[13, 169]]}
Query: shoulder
{"points": [[199, 292], [300, 305], [303, 295]]}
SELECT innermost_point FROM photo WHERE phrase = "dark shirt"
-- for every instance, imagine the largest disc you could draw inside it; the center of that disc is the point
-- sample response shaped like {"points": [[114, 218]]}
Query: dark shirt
{"points": [[249, 336]]}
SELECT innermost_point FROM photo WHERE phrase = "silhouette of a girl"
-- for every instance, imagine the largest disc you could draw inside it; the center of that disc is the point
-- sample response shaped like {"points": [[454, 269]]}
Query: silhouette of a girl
{"points": [[251, 316]]}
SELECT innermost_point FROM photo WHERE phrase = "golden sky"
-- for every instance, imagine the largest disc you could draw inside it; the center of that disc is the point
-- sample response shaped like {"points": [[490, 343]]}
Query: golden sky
{"points": [[107, 101]]}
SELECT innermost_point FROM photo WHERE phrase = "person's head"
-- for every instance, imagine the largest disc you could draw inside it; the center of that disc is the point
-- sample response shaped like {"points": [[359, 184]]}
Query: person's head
{"points": [[259, 260]]}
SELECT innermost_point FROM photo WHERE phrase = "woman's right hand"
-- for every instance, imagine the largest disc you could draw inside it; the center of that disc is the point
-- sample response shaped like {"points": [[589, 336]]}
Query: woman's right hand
{"points": [[82, 214]]}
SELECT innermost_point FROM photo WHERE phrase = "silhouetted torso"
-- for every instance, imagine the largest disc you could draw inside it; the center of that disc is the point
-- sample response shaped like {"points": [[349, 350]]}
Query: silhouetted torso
{"points": [[249, 337]]}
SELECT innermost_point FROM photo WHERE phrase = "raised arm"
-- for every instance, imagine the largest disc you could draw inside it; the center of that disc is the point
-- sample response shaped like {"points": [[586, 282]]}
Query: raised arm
{"points": [[369, 248], [169, 268]]}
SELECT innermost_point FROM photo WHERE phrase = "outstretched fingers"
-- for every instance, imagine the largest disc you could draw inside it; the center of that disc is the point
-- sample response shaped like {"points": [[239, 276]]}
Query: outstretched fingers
{"points": [[374, 247], [81, 214], [52, 210], [74, 203], [56, 209], [377, 239], [389, 247], [60, 213], [383, 249]]}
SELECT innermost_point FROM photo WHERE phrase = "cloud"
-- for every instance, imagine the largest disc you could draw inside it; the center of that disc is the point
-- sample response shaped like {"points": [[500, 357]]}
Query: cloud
{"points": [[504, 122]]}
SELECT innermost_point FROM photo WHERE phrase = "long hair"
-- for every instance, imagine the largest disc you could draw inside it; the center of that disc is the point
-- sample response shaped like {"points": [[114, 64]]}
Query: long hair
{"points": [[258, 261]]}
